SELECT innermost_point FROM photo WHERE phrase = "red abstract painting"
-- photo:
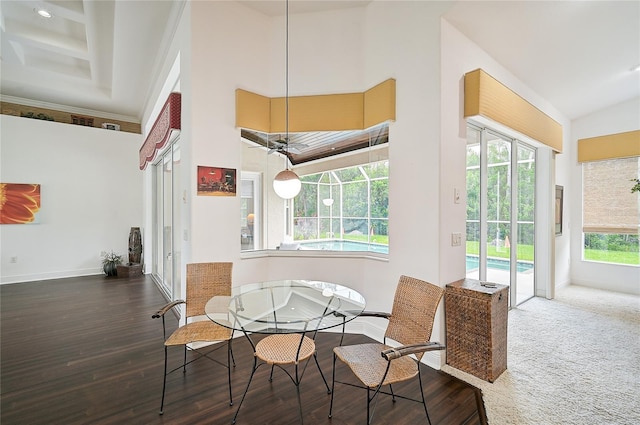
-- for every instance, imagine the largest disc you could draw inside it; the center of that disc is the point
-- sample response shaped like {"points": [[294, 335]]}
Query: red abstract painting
{"points": [[19, 203]]}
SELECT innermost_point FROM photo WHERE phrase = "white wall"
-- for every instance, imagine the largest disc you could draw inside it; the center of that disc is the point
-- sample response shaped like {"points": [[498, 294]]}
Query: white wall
{"points": [[563, 166], [91, 196], [616, 119]]}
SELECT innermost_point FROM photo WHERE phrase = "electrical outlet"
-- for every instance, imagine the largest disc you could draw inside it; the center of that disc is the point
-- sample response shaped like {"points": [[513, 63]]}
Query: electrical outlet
{"points": [[456, 239], [13, 260]]}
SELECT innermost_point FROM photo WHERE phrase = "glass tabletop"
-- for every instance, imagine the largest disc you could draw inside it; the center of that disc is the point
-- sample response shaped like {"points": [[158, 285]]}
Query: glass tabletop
{"points": [[286, 306]]}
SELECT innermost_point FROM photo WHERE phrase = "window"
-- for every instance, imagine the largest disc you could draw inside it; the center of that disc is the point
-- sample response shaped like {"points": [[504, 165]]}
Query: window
{"points": [[344, 209], [610, 211], [343, 204], [250, 217]]}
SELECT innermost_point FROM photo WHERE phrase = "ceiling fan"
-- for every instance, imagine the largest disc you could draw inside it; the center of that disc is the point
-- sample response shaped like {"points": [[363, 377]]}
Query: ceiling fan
{"points": [[284, 145]]}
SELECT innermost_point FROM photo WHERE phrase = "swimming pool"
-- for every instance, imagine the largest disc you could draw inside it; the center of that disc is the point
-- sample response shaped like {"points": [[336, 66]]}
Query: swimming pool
{"points": [[340, 245], [496, 263]]}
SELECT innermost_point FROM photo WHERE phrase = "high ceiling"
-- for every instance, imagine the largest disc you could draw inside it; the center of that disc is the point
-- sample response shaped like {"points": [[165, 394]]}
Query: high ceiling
{"points": [[92, 55], [578, 55], [97, 56]]}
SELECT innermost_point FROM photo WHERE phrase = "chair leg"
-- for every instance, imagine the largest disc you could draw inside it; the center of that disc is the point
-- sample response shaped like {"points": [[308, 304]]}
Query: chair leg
{"points": [[370, 398], [164, 381], [184, 363], [271, 374], [253, 370], [315, 357], [229, 356], [233, 359], [424, 403], [297, 384], [368, 404], [393, 396], [333, 384]]}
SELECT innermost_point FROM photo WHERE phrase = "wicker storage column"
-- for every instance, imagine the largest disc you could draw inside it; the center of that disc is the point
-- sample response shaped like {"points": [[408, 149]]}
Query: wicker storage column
{"points": [[476, 325]]}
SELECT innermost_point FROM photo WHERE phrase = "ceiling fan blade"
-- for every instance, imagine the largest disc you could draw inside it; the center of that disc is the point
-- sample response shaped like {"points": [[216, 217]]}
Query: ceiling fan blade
{"points": [[298, 145]]}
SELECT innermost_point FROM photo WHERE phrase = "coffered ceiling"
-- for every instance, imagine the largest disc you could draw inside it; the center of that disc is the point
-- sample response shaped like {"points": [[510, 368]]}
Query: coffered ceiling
{"points": [[98, 56], [92, 55]]}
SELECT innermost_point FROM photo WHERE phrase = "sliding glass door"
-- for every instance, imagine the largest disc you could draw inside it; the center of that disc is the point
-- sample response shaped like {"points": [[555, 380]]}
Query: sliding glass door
{"points": [[524, 254], [166, 222], [500, 212]]}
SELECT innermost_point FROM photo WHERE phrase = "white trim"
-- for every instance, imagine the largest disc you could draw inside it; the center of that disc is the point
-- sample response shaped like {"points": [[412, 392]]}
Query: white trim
{"points": [[314, 254], [48, 276]]}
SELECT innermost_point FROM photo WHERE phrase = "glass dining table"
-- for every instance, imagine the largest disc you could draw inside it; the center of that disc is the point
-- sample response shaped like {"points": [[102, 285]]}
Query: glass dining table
{"points": [[285, 307]]}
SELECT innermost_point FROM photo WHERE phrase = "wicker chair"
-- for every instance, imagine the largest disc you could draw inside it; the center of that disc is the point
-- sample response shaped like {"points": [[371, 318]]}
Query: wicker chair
{"points": [[410, 324], [280, 350], [204, 281]]}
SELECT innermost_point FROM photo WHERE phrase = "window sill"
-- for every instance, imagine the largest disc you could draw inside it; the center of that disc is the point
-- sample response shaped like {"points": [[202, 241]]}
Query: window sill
{"points": [[314, 254]]}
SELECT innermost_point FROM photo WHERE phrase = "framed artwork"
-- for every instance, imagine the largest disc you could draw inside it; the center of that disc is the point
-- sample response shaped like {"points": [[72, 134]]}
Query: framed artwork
{"points": [[21, 203], [559, 206], [215, 181]]}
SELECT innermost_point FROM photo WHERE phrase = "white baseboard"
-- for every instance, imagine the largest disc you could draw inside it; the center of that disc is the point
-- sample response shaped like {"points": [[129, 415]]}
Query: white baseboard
{"points": [[49, 275], [632, 288]]}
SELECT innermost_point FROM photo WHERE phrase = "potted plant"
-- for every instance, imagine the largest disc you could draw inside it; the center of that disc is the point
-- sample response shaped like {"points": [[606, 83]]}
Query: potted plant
{"points": [[636, 187], [110, 261]]}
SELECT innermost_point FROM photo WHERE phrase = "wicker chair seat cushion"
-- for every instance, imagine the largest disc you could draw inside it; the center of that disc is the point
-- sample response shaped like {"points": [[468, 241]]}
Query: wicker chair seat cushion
{"points": [[282, 348], [204, 330], [369, 366]]}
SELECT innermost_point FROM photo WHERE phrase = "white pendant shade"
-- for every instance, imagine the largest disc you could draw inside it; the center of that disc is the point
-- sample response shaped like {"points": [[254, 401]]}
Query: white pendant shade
{"points": [[287, 184]]}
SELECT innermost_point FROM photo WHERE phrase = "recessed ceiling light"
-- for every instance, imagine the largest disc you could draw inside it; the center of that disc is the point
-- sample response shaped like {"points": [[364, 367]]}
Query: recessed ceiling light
{"points": [[636, 68], [44, 13]]}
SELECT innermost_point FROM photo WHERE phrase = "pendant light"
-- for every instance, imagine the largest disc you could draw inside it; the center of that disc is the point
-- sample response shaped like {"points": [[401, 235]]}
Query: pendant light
{"points": [[287, 183]]}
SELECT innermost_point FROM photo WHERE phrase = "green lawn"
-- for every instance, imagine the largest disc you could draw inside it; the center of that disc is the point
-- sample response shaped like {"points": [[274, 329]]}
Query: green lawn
{"points": [[618, 257], [381, 239], [525, 253]]}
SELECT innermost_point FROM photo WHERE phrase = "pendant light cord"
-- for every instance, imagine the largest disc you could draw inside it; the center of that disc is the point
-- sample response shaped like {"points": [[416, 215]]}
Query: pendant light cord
{"points": [[286, 73]]}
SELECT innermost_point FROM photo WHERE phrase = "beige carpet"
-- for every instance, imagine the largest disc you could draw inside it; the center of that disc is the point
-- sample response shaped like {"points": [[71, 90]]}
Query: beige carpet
{"points": [[572, 360]]}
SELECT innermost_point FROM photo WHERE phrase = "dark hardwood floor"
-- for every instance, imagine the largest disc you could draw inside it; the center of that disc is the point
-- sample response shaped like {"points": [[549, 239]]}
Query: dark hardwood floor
{"points": [[86, 351]]}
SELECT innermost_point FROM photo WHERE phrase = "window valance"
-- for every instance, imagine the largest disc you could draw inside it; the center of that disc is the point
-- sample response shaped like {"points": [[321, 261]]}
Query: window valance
{"points": [[331, 112], [168, 120], [487, 97], [611, 146]]}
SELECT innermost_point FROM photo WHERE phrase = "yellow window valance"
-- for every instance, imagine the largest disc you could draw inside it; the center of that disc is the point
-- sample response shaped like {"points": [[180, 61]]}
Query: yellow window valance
{"points": [[332, 112], [487, 97], [612, 146]]}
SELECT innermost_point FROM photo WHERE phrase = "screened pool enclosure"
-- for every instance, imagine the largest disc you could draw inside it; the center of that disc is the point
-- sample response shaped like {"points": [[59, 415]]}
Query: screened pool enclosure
{"points": [[350, 204]]}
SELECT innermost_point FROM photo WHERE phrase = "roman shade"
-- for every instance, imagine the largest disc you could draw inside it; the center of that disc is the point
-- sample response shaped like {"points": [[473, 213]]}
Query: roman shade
{"points": [[608, 204], [609, 163]]}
